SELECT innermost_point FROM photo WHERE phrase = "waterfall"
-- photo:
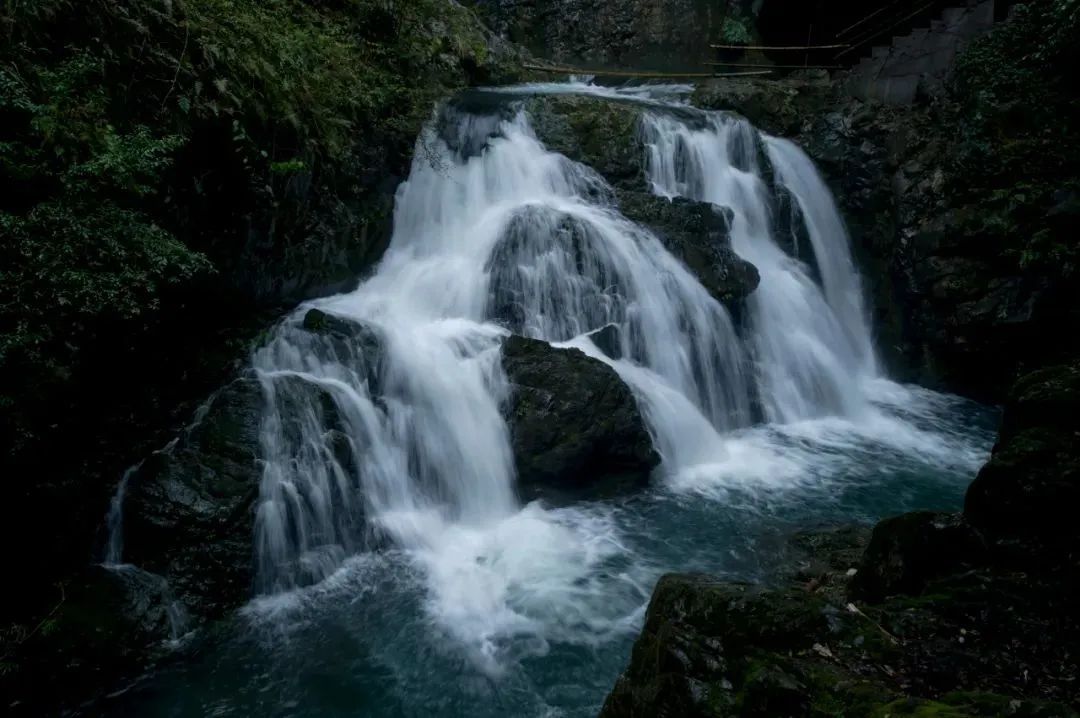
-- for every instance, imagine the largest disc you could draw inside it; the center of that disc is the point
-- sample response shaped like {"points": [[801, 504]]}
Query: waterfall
{"points": [[811, 343], [388, 430], [398, 571], [511, 238]]}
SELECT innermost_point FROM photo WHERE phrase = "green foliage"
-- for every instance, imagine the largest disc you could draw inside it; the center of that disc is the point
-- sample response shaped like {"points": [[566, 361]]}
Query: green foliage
{"points": [[736, 30], [1016, 97], [1016, 123], [114, 206], [76, 249]]}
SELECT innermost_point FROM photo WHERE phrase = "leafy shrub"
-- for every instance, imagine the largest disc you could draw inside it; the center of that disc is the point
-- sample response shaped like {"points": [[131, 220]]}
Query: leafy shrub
{"points": [[146, 141], [1016, 123]]}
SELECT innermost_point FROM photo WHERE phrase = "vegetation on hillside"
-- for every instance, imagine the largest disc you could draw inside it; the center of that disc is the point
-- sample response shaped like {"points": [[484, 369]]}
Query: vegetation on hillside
{"points": [[150, 149], [1017, 135]]}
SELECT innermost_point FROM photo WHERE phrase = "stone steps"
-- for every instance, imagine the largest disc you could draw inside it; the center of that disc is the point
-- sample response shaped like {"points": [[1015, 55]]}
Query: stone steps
{"points": [[893, 73]]}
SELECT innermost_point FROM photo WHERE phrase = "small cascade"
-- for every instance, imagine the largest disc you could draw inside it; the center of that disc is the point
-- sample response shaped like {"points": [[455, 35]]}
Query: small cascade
{"points": [[810, 342], [113, 554]]}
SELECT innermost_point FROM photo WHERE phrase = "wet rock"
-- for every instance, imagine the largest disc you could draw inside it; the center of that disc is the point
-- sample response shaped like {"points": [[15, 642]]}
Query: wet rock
{"points": [[824, 559], [573, 423], [698, 234], [673, 34], [353, 343], [907, 552], [711, 648], [714, 649], [608, 340], [1024, 498], [778, 107], [600, 133], [189, 514]]}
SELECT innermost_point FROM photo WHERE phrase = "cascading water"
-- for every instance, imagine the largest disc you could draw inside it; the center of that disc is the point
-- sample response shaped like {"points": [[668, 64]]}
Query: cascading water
{"points": [[811, 344], [384, 440], [513, 237]]}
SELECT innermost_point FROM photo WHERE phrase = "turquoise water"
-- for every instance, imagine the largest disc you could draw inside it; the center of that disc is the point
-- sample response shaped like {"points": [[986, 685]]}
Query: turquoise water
{"points": [[383, 637]]}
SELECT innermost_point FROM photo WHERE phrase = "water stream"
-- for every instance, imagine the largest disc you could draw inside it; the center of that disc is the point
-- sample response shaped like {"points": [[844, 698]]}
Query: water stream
{"points": [[399, 573]]}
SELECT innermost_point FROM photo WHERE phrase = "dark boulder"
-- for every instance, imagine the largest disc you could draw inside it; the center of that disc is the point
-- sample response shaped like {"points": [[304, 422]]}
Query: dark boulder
{"points": [[107, 627], [711, 648], [907, 552], [514, 261], [823, 559], [1024, 499], [189, 510], [1048, 397], [608, 339], [698, 233], [573, 422], [349, 341]]}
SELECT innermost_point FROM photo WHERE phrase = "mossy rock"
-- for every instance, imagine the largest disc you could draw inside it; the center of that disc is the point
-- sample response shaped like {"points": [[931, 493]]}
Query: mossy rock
{"points": [[907, 552], [601, 133], [698, 233], [574, 424], [779, 107], [1024, 498]]}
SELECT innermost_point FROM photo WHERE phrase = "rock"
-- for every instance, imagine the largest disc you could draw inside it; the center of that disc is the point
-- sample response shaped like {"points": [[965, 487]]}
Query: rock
{"points": [[711, 648], [777, 107], [188, 514], [825, 558], [1048, 397], [108, 626], [908, 552], [573, 423], [715, 649], [533, 232], [353, 342], [600, 133], [608, 339], [698, 234], [1024, 499]]}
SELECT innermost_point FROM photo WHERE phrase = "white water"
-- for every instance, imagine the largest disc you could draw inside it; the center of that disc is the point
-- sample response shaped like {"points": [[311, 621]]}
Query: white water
{"points": [[404, 444], [811, 343]]}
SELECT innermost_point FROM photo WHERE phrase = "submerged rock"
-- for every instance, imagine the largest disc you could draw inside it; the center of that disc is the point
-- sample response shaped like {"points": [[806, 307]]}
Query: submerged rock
{"points": [[698, 233], [573, 423]]}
